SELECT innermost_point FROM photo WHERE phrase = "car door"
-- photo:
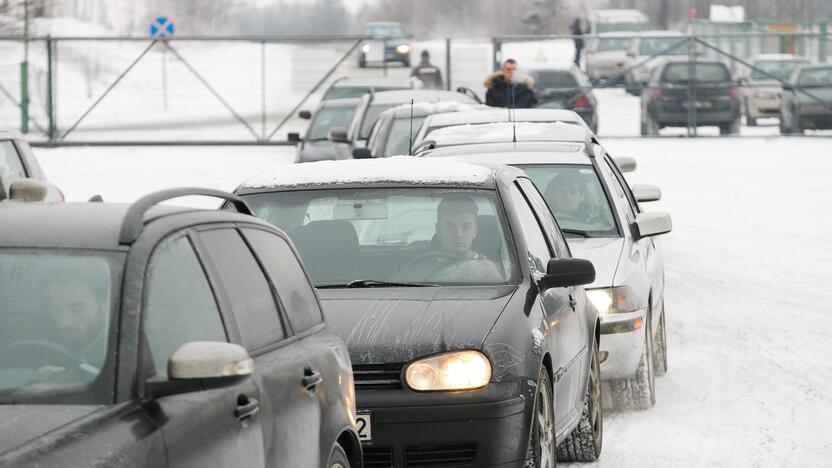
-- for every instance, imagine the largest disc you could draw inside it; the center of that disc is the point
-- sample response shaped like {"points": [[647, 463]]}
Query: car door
{"points": [[289, 407], [560, 320], [203, 428]]}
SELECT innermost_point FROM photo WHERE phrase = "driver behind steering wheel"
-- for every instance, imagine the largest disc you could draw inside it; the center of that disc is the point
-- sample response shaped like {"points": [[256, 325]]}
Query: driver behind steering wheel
{"points": [[567, 197]]}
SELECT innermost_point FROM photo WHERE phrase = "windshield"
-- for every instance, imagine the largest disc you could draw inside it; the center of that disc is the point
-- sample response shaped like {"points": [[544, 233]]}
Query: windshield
{"points": [[405, 235], [384, 30], [554, 80], [327, 118], [401, 135], [656, 45], [576, 198], [816, 77], [612, 27], [370, 117], [702, 72], [613, 43], [780, 69], [54, 326]]}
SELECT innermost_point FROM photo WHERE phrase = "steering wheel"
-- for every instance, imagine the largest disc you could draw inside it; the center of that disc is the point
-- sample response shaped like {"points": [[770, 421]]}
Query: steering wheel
{"points": [[36, 353], [422, 261]]}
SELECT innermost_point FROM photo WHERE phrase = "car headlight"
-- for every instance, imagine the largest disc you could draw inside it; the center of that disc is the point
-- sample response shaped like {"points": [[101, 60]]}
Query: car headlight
{"points": [[459, 370], [365, 48], [403, 49], [613, 300]]}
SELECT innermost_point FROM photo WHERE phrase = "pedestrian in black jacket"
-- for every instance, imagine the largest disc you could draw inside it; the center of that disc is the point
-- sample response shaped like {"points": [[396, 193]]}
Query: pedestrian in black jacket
{"points": [[504, 89]]}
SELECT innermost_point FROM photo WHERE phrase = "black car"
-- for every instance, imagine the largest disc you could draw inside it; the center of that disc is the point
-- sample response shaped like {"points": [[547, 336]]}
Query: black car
{"points": [[472, 340], [566, 89], [807, 100], [140, 335], [316, 145], [677, 84]]}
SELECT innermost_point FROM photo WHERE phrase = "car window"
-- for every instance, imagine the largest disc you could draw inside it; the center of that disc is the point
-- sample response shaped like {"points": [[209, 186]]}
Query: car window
{"points": [[11, 167], [179, 305], [816, 77], [249, 294], [422, 234], [702, 72], [544, 214], [327, 118], [401, 135], [370, 117], [345, 92], [613, 43], [781, 69], [618, 193], [657, 45], [287, 276], [554, 79], [538, 249], [619, 177]]}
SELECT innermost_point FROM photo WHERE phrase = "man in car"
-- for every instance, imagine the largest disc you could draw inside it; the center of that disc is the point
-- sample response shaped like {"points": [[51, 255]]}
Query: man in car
{"points": [[506, 89], [566, 195], [430, 75]]}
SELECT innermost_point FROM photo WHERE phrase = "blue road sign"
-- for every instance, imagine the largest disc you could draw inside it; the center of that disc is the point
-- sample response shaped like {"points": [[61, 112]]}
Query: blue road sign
{"points": [[161, 28]]}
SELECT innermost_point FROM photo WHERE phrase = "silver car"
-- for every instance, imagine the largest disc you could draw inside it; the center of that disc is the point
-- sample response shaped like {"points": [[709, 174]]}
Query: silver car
{"points": [[761, 92], [21, 178], [606, 56], [602, 220]]}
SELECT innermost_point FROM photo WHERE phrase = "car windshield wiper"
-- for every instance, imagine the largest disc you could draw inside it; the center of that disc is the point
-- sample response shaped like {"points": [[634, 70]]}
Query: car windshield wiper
{"points": [[576, 232], [365, 283]]}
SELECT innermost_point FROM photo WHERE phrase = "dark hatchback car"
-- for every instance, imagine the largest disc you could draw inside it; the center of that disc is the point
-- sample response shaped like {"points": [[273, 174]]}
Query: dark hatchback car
{"points": [[715, 97], [472, 340], [807, 100], [139, 335], [315, 145], [566, 89]]}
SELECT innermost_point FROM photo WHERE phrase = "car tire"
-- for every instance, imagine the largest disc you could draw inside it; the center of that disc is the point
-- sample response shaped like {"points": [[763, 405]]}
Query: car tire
{"points": [[586, 440], [660, 347], [543, 424], [338, 458], [639, 390]]}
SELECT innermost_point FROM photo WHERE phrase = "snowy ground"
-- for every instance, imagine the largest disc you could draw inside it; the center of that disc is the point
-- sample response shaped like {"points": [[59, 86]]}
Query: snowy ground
{"points": [[749, 265]]}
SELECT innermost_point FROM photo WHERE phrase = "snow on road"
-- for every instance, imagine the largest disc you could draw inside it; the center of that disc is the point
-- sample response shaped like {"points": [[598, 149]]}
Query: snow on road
{"points": [[749, 269]]}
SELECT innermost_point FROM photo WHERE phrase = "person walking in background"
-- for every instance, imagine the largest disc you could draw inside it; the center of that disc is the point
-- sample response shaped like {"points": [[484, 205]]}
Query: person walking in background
{"points": [[505, 89], [430, 75], [577, 31]]}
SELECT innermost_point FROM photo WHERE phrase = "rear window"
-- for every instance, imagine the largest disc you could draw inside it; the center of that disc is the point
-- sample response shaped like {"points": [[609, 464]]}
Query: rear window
{"points": [[657, 45], [613, 43], [554, 79], [702, 72], [327, 118], [780, 69], [816, 77]]}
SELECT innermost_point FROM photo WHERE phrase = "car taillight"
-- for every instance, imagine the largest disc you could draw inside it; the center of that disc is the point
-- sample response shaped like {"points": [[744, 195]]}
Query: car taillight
{"points": [[734, 94], [582, 102], [656, 93]]}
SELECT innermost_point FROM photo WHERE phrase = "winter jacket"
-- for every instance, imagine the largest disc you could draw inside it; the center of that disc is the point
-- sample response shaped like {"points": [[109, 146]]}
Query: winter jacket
{"points": [[430, 75], [501, 94]]}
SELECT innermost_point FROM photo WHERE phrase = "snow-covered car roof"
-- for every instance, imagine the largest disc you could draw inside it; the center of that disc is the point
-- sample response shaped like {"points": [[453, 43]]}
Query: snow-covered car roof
{"points": [[501, 115], [356, 82], [405, 170], [517, 153], [507, 132], [423, 95], [422, 109]]}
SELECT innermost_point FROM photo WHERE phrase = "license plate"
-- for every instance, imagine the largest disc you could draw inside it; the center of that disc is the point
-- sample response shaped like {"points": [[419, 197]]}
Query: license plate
{"points": [[364, 423], [699, 104]]}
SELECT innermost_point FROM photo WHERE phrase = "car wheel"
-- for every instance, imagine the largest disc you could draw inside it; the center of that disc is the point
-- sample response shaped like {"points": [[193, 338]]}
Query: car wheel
{"points": [[585, 441], [338, 458], [541, 451], [750, 121], [639, 390], [660, 347]]}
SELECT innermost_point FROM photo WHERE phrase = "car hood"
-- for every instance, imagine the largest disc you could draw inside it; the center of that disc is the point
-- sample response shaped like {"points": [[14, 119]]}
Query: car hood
{"points": [[312, 151], [604, 253], [22, 423], [398, 325]]}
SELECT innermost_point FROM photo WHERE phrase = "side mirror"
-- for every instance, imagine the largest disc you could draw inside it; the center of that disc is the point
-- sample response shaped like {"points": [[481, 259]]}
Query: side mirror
{"points": [[564, 272], [28, 190], [647, 193], [293, 137], [625, 164], [203, 365], [651, 224], [338, 135], [305, 114], [361, 153]]}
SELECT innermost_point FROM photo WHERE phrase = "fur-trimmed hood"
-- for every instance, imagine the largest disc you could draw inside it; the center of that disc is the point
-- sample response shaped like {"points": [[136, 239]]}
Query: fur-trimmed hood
{"points": [[497, 76]]}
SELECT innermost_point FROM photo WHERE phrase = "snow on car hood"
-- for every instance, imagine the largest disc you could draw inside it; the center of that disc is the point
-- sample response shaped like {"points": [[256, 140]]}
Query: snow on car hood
{"points": [[398, 325], [22, 423], [604, 253]]}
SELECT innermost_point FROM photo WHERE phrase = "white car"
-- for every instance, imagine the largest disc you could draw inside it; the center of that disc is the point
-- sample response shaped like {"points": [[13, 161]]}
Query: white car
{"points": [[609, 20], [21, 178], [606, 56], [761, 92], [646, 54]]}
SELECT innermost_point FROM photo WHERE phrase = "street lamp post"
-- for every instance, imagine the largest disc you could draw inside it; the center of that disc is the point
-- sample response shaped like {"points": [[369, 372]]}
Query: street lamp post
{"points": [[24, 73]]}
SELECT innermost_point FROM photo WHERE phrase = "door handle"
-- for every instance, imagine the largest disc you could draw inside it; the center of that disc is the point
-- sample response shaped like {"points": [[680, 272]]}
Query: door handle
{"points": [[311, 378], [246, 408]]}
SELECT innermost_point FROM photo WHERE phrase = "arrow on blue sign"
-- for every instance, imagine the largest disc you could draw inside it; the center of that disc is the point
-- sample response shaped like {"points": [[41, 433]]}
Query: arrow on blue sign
{"points": [[161, 28]]}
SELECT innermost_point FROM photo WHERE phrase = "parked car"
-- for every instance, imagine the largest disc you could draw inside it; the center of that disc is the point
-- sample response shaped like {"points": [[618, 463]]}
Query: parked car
{"points": [[144, 335], [21, 178], [315, 145], [761, 89], [389, 44], [472, 341], [665, 103], [606, 56], [614, 19], [807, 100], [566, 89], [646, 53], [602, 220], [347, 87]]}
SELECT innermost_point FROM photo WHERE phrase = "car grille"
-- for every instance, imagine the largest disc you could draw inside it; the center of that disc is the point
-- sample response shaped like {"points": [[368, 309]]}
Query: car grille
{"points": [[377, 376], [439, 455], [377, 457]]}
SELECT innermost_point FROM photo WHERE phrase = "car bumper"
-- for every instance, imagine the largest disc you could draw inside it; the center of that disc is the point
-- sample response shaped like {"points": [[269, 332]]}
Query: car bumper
{"points": [[679, 117], [763, 107], [484, 428], [622, 338]]}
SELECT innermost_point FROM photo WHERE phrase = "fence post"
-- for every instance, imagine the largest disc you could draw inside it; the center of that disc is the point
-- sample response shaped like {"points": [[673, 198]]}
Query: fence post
{"points": [[448, 63], [824, 28], [691, 96], [497, 46], [263, 89], [50, 98]]}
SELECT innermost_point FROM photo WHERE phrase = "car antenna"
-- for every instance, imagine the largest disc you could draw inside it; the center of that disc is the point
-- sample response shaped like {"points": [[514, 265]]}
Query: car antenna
{"points": [[410, 135], [511, 103]]}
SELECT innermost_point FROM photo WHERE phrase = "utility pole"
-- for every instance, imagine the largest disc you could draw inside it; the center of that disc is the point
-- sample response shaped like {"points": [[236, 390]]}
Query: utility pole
{"points": [[24, 73]]}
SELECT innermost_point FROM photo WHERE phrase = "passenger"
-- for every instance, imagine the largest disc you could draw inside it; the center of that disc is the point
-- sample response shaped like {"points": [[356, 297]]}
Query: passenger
{"points": [[430, 75], [567, 197], [506, 89]]}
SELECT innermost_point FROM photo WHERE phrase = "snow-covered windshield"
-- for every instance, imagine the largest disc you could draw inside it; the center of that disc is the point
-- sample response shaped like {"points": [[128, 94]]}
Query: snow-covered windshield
{"points": [[406, 235], [401, 135], [55, 326], [780, 69], [327, 118], [613, 43], [657, 45], [577, 200]]}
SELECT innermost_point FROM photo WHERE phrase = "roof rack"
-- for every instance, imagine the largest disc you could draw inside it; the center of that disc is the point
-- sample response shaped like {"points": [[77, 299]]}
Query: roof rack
{"points": [[133, 221]]}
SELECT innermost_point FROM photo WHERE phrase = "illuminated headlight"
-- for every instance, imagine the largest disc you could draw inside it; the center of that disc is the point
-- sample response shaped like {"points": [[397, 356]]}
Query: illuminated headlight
{"points": [[403, 49], [613, 300], [365, 48], [459, 370]]}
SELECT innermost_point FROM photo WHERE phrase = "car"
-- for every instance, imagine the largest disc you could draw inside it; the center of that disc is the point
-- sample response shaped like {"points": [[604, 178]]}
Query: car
{"points": [[389, 43], [395, 129], [606, 56], [315, 145], [762, 85], [371, 105], [21, 177], [472, 340], [347, 87], [602, 219], [566, 89], [147, 335], [647, 50], [615, 19], [665, 103], [807, 100]]}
